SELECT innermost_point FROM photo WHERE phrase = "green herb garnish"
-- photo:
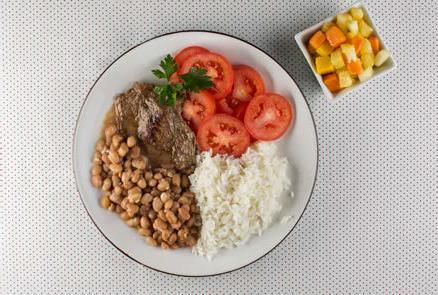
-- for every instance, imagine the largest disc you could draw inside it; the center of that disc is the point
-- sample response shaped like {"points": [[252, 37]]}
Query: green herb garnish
{"points": [[195, 80]]}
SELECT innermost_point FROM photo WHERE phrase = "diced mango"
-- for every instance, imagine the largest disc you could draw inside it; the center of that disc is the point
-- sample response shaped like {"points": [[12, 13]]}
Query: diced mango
{"points": [[332, 82], [355, 67], [367, 60], [326, 26], [337, 59], [349, 52], [345, 79], [366, 47], [364, 29], [353, 27], [325, 49], [381, 57], [366, 74], [357, 42], [335, 36], [375, 43], [323, 65], [317, 39], [342, 21], [356, 13]]}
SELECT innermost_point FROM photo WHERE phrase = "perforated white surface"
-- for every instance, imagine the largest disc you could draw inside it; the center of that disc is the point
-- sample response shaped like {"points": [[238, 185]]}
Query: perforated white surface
{"points": [[371, 225]]}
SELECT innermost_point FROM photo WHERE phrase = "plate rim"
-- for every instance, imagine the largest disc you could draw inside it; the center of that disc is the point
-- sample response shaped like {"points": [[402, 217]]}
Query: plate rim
{"points": [[76, 129]]}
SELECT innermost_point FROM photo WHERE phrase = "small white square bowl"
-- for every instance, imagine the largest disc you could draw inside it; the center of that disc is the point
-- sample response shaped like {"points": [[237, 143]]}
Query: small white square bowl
{"points": [[302, 37]]}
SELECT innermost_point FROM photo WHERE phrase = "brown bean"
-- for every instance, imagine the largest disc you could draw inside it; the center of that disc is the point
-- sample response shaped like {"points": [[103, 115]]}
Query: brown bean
{"points": [[148, 175], [184, 213], [115, 140], [185, 182], [158, 176], [183, 200], [135, 152], [135, 176], [100, 145], [194, 208], [165, 196], [147, 198], [163, 185], [174, 246], [105, 201], [127, 185], [175, 207], [145, 222], [135, 194], [190, 222], [131, 141], [159, 224], [106, 186], [188, 194], [190, 241], [176, 189], [152, 182], [164, 245], [154, 192], [144, 210], [110, 130], [152, 215], [132, 222], [157, 204], [142, 183], [139, 163], [162, 215], [117, 190], [115, 168], [176, 225], [96, 169], [112, 207], [156, 235], [183, 233], [172, 239], [124, 215], [105, 159], [171, 218], [113, 156], [144, 232], [132, 209], [127, 164], [168, 205], [165, 235], [124, 203], [123, 149], [119, 209], [115, 198], [115, 179], [176, 180], [96, 180], [151, 241]]}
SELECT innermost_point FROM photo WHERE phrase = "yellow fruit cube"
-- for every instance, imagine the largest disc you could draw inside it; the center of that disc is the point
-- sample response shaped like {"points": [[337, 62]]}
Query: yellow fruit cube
{"points": [[366, 47], [345, 79], [337, 59], [326, 26], [349, 52], [323, 65], [325, 49], [367, 60], [356, 13], [364, 29], [381, 57], [353, 27], [366, 74], [342, 21]]}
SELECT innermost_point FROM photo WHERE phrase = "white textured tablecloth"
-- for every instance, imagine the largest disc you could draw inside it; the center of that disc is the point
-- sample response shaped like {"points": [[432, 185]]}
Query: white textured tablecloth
{"points": [[371, 225]]}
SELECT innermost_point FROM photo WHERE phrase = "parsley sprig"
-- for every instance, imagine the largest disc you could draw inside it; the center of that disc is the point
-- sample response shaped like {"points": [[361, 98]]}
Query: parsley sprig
{"points": [[193, 81]]}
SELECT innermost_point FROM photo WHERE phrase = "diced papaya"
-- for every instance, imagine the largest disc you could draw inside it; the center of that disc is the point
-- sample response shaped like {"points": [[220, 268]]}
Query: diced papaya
{"points": [[335, 36], [375, 44], [357, 42], [355, 67], [325, 49], [332, 82], [323, 65], [345, 79], [337, 59], [317, 39]]}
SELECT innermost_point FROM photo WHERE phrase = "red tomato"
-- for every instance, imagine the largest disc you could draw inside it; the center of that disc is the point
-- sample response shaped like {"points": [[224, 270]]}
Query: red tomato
{"points": [[268, 116], [224, 135], [239, 111], [227, 105], [247, 83], [198, 107], [218, 68], [187, 52]]}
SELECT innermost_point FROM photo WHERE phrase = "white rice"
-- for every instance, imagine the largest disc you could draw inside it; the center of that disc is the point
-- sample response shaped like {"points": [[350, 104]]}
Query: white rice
{"points": [[238, 197]]}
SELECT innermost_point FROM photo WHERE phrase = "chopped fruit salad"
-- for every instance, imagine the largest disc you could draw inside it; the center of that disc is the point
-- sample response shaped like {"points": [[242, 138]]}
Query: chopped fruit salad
{"points": [[345, 50]]}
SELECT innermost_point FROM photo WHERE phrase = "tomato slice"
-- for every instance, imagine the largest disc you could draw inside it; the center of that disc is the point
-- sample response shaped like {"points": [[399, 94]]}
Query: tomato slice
{"points": [[268, 116], [198, 107], [224, 135], [186, 53], [239, 111], [227, 105], [247, 83], [218, 68]]}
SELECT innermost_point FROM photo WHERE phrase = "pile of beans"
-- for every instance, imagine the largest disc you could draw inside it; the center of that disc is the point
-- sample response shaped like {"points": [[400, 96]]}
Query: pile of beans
{"points": [[157, 202]]}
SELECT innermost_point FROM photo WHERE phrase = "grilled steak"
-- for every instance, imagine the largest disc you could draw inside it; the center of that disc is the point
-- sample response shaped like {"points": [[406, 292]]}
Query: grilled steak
{"points": [[163, 131]]}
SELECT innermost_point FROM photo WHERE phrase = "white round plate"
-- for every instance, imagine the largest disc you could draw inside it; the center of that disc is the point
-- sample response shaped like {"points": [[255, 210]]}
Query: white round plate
{"points": [[299, 145]]}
